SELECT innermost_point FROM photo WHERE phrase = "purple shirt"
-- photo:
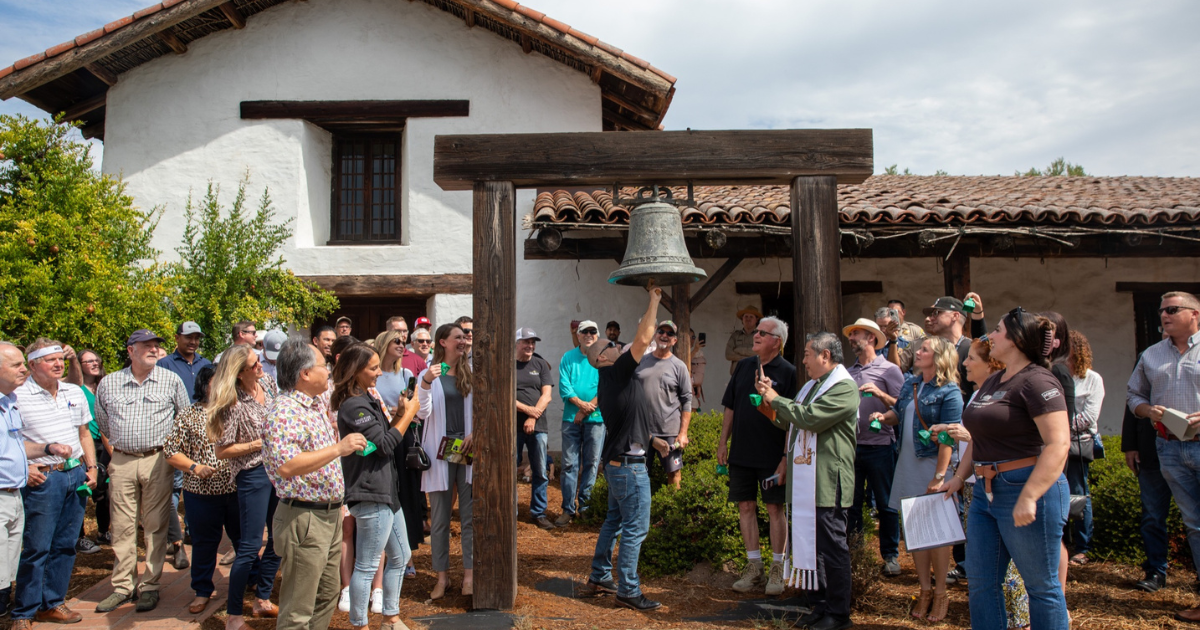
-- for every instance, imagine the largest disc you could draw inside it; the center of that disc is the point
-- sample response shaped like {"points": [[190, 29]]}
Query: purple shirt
{"points": [[887, 377]]}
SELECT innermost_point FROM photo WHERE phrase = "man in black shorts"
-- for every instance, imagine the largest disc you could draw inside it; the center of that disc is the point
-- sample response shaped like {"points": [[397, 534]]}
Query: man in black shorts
{"points": [[757, 459]]}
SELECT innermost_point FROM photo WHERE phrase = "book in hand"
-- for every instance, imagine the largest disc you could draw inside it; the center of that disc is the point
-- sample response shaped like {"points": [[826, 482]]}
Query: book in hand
{"points": [[451, 450], [1177, 423]]}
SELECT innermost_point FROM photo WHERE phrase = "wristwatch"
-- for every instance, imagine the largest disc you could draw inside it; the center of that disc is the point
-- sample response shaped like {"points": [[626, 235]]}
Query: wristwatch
{"points": [[193, 468], [940, 476], [46, 449]]}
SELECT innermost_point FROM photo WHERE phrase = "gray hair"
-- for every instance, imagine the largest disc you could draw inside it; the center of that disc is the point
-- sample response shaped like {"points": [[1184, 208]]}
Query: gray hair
{"points": [[295, 356], [887, 311], [827, 341], [779, 327]]}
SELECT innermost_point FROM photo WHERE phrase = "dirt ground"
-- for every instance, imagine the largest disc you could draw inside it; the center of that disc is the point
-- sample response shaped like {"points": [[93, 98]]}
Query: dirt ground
{"points": [[1099, 595]]}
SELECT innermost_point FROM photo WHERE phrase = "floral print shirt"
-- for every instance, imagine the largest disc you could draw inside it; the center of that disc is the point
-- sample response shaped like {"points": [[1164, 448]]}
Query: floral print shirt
{"points": [[190, 437], [244, 423], [298, 423]]}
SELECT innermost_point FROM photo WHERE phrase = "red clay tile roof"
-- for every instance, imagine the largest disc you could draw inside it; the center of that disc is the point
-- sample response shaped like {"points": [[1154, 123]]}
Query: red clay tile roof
{"points": [[506, 18], [913, 199]]}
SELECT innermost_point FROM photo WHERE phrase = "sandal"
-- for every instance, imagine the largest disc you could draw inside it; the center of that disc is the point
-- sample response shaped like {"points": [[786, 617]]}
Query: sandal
{"points": [[1079, 559], [941, 606], [921, 606], [198, 605], [439, 591]]}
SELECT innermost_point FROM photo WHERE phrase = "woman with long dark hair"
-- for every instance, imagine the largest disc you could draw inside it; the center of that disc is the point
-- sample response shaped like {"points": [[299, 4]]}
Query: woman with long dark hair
{"points": [[444, 392], [238, 400], [371, 482], [209, 491], [930, 396], [1020, 437]]}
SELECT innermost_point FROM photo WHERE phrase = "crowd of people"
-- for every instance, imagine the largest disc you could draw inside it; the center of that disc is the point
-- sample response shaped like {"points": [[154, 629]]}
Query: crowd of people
{"points": [[347, 454]]}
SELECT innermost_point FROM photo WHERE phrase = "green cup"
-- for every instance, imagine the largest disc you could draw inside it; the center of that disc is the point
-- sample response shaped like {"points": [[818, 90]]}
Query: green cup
{"points": [[83, 490], [71, 463], [945, 438], [368, 449], [722, 469], [876, 425], [445, 368], [924, 435], [756, 399]]}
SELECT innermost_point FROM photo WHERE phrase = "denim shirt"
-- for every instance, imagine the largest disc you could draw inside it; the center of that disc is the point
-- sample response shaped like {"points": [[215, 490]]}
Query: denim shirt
{"points": [[938, 405]]}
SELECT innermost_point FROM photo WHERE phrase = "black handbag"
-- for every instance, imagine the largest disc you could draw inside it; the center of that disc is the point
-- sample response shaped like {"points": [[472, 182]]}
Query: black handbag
{"points": [[416, 458], [1082, 447]]}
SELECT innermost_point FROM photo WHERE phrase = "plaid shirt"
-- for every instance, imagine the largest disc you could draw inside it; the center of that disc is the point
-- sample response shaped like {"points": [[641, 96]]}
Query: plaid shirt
{"points": [[136, 417], [297, 423], [1166, 377]]}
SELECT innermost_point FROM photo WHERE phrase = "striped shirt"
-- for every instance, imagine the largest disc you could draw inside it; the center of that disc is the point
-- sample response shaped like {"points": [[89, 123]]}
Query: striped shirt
{"points": [[136, 417], [1164, 376], [53, 419]]}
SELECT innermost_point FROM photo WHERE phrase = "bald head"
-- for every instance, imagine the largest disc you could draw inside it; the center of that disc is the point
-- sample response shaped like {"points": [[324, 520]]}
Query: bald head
{"points": [[12, 368]]}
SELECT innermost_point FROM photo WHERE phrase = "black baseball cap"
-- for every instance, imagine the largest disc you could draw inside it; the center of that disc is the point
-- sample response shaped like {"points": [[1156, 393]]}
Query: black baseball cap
{"points": [[140, 335], [946, 303]]}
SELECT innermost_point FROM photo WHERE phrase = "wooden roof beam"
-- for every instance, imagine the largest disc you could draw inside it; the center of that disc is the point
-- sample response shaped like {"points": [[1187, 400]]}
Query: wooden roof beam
{"points": [[168, 37], [622, 121], [76, 111], [104, 74], [70, 61], [640, 110], [235, 17]]}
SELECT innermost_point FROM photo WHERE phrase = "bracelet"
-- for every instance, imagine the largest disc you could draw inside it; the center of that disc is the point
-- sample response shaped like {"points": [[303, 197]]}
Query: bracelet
{"points": [[193, 468], [46, 449]]}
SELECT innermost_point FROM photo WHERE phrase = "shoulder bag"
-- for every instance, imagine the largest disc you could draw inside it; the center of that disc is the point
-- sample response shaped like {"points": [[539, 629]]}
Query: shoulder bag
{"points": [[416, 458]]}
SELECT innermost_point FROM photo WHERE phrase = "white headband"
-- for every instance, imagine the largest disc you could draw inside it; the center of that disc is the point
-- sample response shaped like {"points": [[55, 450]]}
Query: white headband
{"points": [[41, 352]]}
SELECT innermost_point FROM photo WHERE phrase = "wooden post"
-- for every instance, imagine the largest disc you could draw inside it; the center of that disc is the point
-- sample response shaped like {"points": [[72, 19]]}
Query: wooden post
{"points": [[816, 258], [682, 316], [956, 273], [494, 410]]}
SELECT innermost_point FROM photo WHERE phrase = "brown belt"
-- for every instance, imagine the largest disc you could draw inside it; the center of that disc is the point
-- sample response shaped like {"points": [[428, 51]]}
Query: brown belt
{"points": [[10, 490], [987, 472], [140, 453], [51, 467]]}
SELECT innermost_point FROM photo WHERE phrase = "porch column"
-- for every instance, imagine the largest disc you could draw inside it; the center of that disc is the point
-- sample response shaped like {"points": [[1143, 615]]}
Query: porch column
{"points": [[956, 273], [816, 258]]}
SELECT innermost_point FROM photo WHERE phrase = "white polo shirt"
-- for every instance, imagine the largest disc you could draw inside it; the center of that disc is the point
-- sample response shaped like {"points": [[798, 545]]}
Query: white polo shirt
{"points": [[53, 419]]}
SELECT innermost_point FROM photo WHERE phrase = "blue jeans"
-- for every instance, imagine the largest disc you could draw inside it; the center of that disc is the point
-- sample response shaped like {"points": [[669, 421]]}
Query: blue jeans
{"points": [[53, 514], [1156, 501], [1077, 481], [629, 517], [1034, 548], [174, 531], [209, 515], [256, 507], [1180, 466], [874, 467], [377, 529], [581, 445], [536, 444]]}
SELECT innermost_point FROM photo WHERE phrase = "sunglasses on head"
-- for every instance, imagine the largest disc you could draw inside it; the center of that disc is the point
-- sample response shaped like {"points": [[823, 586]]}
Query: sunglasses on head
{"points": [[589, 331], [1174, 310]]}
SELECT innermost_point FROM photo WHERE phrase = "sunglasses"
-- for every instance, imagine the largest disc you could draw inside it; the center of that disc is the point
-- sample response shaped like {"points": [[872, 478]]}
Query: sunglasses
{"points": [[589, 331], [422, 341], [666, 331], [759, 331], [1174, 310], [397, 341]]}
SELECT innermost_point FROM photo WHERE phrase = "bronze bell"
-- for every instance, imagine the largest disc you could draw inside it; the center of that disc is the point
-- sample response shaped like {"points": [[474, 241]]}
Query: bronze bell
{"points": [[656, 250]]}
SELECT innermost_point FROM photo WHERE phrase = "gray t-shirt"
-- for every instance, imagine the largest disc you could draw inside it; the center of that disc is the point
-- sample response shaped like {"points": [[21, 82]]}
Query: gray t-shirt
{"points": [[665, 391], [456, 417]]}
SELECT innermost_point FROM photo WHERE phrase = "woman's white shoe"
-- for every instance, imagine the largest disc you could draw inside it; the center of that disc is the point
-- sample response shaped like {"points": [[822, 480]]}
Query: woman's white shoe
{"points": [[344, 600]]}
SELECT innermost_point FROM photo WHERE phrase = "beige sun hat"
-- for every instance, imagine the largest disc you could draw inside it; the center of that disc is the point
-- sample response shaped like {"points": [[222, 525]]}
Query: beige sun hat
{"points": [[870, 326]]}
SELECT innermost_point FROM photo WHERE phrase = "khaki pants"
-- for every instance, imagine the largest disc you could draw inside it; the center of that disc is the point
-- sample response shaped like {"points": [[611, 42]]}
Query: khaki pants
{"points": [[309, 544], [139, 486], [12, 525]]}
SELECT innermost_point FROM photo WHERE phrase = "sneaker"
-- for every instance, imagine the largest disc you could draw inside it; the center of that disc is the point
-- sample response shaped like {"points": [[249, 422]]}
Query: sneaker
{"points": [[86, 546], [104, 538], [563, 520], [752, 576], [891, 566], [775, 579], [638, 603], [543, 522], [147, 601], [377, 601], [114, 601], [957, 575], [344, 600], [181, 559], [1151, 583]]}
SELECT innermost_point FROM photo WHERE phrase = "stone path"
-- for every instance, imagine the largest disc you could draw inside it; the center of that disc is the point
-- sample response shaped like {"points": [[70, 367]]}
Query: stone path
{"points": [[175, 595]]}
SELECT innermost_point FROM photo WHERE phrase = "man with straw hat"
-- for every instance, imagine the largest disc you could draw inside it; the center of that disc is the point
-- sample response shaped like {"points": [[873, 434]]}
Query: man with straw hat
{"points": [[879, 382], [741, 341]]}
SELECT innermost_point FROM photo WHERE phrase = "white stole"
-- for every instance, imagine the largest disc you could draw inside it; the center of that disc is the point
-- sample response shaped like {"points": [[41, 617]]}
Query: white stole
{"points": [[801, 569]]}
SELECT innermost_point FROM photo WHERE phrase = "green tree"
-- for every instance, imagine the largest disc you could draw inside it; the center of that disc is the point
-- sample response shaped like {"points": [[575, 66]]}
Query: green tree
{"points": [[230, 270], [894, 170], [75, 252], [1058, 168]]}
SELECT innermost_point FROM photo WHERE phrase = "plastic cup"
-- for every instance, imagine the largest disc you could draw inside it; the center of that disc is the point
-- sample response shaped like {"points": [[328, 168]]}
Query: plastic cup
{"points": [[445, 368], [756, 399], [83, 490], [969, 305], [71, 463], [867, 395], [924, 435], [368, 449], [944, 438], [876, 426], [722, 469]]}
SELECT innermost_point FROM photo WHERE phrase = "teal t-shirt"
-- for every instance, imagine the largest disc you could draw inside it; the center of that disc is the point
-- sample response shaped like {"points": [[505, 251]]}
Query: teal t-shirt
{"points": [[577, 378], [91, 400]]}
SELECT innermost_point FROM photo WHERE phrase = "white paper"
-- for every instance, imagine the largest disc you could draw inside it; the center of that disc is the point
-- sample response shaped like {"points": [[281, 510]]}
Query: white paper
{"points": [[1178, 424], [930, 520]]}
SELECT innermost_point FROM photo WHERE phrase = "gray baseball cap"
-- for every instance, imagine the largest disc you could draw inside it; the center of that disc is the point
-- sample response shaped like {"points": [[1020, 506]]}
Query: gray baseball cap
{"points": [[527, 333], [272, 342], [189, 328]]}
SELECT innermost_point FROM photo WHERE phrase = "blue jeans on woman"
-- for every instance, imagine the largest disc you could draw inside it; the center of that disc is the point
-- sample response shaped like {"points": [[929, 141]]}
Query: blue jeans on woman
{"points": [[1077, 481], [629, 517], [581, 446], [208, 516], [1034, 548], [256, 506], [377, 529]]}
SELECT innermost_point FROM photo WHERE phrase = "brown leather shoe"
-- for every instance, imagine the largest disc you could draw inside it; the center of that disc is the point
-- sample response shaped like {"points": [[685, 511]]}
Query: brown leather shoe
{"points": [[1191, 615], [21, 624], [58, 614]]}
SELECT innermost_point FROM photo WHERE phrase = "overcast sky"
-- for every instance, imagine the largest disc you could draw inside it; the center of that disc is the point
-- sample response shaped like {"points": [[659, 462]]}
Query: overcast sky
{"points": [[970, 88]]}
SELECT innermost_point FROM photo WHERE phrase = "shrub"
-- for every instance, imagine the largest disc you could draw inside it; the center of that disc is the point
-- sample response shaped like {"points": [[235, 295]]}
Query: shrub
{"points": [[1117, 508]]}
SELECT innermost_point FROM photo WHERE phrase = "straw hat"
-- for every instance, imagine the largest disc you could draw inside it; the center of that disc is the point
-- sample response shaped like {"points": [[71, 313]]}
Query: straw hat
{"points": [[753, 310], [870, 326]]}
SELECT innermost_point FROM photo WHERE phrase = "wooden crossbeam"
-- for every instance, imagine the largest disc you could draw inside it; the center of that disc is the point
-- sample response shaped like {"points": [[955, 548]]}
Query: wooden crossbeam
{"points": [[394, 286], [668, 158], [77, 110], [170, 39], [350, 110], [232, 14], [715, 281], [640, 110], [102, 73]]}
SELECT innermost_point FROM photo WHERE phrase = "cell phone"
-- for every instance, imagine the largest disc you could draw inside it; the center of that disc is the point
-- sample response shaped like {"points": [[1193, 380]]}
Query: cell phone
{"points": [[703, 337], [412, 383]]}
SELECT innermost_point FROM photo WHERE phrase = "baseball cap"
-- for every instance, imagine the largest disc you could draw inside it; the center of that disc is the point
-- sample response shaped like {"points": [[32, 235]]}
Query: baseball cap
{"points": [[587, 323], [669, 324], [527, 333], [613, 324], [344, 318], [189, 328], [947, 303], [423, 322], [273, 342], [141, 335]]}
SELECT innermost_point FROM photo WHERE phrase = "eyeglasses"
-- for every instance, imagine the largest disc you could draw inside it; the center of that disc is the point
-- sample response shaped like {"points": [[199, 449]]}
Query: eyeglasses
{"points": [[398, 341], [1174, 310], [90, 362], [589, 331], [249, 332], [666, 331], [759, 331], [421, 341]]}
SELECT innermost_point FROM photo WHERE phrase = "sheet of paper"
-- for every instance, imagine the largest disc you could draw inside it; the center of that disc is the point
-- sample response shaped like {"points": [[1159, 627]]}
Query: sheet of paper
{"points": [[930, 521]]}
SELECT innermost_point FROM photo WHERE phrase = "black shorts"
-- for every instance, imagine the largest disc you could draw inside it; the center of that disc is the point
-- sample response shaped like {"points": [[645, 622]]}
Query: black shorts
{"points": [[745, 483], [671, 463]]}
